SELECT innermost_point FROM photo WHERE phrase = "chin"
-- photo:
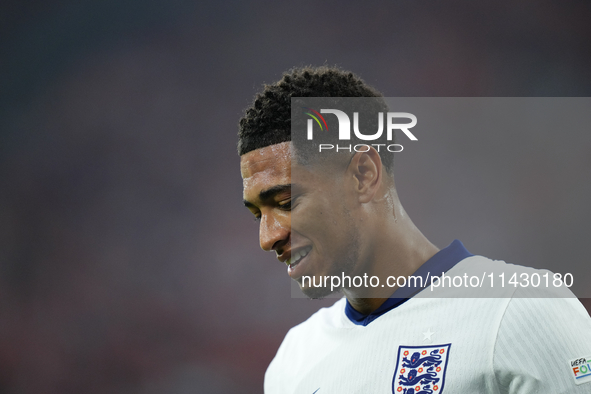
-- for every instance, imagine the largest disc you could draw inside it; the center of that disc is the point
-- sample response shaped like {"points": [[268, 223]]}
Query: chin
{"points": [[318, 293]]}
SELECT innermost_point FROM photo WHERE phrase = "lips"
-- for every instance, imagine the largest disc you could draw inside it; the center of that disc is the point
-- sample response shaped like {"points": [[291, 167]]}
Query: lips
{"points": [[294, 260]]}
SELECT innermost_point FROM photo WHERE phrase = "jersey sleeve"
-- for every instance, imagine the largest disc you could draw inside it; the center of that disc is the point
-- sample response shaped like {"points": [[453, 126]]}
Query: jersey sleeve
{"points": [[537, 341]]}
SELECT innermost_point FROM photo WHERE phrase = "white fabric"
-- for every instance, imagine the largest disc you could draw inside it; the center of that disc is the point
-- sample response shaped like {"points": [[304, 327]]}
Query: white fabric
{"points": [[498, 345]]}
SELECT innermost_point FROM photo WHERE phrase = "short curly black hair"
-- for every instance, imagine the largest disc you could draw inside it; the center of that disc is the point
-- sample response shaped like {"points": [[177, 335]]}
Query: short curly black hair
{"points": [[268, 120]]}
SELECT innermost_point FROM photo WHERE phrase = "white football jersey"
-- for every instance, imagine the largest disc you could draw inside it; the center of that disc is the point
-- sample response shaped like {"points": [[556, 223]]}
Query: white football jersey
{"points": [[431, 345]]}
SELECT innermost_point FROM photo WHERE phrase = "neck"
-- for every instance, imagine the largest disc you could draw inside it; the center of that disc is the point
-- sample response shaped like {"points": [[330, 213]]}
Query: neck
{"points": [[400, 249]]}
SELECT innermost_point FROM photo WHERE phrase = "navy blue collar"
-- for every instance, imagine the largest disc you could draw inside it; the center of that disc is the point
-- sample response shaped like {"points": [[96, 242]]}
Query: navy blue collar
{"points": [[441, 262]]}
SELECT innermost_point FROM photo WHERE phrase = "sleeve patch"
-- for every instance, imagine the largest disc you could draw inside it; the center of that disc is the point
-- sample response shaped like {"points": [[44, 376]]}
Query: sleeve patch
{"points": [[581, 369]]}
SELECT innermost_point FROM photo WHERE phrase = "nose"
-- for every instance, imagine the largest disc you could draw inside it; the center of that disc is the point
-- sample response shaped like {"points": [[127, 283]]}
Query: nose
{"points": [[273, 232]]}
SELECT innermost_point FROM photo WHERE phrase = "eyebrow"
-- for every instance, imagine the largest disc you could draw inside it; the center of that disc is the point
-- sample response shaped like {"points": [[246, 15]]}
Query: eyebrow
{"points": [[269, 193]]}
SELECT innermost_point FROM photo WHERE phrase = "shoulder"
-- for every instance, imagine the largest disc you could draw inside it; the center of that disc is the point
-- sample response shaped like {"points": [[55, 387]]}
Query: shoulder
{"points": [[325, 318], [543, 330], [294, 353]]}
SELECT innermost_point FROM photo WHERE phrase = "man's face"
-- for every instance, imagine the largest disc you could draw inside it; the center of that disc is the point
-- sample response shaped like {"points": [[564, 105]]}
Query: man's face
{"points": [[307, 222]]}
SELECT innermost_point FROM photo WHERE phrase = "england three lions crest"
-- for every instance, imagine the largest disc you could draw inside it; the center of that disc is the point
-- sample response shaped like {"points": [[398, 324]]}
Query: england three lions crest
{"points": [[420, 369]]}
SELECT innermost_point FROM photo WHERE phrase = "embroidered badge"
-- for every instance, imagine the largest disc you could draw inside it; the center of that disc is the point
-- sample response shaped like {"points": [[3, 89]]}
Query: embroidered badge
{"points": [[420, 369], [581, 369]]}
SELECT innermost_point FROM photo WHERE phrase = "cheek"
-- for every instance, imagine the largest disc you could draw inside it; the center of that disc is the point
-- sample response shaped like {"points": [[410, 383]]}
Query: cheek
{"points": [[320, 222], [282, 219], [307, 222], [309, 212]]}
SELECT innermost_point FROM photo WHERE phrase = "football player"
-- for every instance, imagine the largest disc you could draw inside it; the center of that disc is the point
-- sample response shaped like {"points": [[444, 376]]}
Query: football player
{"points": [[339, 216]]}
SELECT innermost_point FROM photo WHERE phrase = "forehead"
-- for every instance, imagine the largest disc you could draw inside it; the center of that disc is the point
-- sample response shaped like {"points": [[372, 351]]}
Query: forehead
{"points": [[265, 167]]}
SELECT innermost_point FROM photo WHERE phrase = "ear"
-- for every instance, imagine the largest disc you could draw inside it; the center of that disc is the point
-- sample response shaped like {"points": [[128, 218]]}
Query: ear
{"points": [[366, 169]]}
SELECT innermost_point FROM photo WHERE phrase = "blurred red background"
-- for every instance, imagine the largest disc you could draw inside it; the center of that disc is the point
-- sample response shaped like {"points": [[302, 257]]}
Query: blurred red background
{"points": [[127, 262]]}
